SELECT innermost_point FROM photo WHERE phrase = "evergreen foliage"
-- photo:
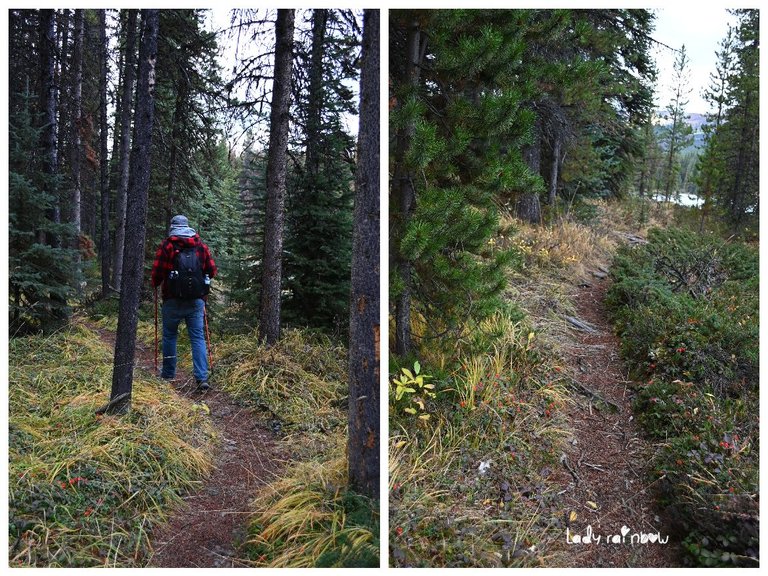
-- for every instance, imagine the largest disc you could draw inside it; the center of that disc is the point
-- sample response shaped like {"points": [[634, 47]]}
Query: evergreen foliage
{"points": [[39, 272], [319, 205], [491, 108], [677, 135], [731, 162], [466, 125], [186, 132]]}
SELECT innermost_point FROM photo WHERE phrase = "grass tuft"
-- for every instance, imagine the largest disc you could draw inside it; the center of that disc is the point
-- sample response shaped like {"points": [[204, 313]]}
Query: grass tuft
{"points": [[306, 517], [86, 490]]}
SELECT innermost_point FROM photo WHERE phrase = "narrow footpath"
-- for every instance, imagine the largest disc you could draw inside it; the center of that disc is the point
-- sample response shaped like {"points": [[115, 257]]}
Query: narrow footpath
{"points": [[207, 529], [605, 476]]}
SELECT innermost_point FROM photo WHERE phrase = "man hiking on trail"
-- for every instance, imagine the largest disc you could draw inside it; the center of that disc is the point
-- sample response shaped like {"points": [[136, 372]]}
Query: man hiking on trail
{"points": [[184, 267]]}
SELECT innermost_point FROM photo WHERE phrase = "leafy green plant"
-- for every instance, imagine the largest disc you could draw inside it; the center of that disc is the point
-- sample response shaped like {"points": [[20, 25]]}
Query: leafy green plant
{"points": [[411, 391]]}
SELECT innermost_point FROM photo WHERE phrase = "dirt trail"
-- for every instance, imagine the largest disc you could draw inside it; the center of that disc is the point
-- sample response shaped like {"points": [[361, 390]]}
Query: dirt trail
{"points": [[207, 529], [605, 468]]}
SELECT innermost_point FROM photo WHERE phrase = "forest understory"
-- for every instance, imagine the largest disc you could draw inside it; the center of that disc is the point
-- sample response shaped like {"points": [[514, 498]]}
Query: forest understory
{"points": [[537, 449], [229, 478], [235, 154]]}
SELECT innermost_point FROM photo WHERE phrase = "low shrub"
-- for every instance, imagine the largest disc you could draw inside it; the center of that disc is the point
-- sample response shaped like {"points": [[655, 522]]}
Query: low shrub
{"points": [[686, 307]]}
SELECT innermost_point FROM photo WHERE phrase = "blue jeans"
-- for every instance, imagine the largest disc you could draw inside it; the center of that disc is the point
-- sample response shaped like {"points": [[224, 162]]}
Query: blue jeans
{"points": [[191, 311]]}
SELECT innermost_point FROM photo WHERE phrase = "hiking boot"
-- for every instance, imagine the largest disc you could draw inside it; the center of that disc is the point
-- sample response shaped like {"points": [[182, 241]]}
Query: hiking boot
{"points": [[203, 386]]}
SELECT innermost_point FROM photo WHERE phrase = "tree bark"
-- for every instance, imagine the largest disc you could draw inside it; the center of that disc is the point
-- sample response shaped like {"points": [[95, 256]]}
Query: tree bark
{"points": [[136, 216], [305, 298], [173, 163], [737, 193], [104, 249], [76, 152], [48, 106], [126, 100], [364, 325], [529, 205], [269, 316], [553, 174], [315, 101], [406, 201], [62, 79]]}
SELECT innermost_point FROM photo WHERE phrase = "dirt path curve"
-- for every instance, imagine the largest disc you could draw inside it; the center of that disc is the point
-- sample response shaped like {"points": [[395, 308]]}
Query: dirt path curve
{"points": [[207, 529], [606, 464]]}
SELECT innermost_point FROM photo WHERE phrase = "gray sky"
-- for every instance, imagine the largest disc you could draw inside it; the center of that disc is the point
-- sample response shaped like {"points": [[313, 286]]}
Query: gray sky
{"points": [[700, 27], [219, 19]]}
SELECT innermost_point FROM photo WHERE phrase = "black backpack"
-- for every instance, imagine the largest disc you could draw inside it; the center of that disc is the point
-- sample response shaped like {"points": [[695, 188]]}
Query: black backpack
{"points": [[186, 280]]}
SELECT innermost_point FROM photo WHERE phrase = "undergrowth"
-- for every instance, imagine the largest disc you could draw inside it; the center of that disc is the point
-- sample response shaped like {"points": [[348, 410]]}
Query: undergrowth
{"points": [[86, 490], [307, 516], [468, 484], [686, 306], [473, 485]]}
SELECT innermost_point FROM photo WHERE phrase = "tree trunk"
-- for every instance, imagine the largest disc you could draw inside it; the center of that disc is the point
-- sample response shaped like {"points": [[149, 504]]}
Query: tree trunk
{"points": [[269, 317], [76, 151], [48, 106], [179, 112], [104, 248], [553, 174], [364, 325], [670, 161], [126, 100], [62, 80], [529, 205], [737, 210], [405, 200], [303, 296], [315, 101], [136, 217]]}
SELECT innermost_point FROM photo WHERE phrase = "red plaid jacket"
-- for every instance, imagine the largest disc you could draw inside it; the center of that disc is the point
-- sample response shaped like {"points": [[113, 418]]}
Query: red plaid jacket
{"points": [[167, 252]]}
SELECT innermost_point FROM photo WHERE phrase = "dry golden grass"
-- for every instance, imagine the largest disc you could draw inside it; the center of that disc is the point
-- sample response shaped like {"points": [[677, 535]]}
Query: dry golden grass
{"points": [[307, 516], [85, 489]]}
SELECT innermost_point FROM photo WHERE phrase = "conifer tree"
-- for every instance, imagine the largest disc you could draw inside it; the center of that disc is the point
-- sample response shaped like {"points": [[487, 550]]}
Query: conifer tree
{"points": [[39, 273], [676, 135], [272, 265], [104, 246], [136, 218], [739, 134], [319, 206], [188, 92], [461, 128], [126, 108]]}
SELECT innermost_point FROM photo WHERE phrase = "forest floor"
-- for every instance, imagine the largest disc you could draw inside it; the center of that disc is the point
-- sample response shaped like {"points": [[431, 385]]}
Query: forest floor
{"points": [[604, 474], [206, 530]]}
